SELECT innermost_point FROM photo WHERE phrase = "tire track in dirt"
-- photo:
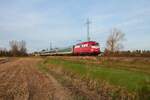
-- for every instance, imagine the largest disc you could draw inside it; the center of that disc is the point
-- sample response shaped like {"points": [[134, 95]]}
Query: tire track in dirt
{"points": [[20, 80]]}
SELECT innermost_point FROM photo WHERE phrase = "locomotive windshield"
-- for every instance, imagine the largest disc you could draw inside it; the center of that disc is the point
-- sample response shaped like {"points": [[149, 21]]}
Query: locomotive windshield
{"points": [[96, 44]]}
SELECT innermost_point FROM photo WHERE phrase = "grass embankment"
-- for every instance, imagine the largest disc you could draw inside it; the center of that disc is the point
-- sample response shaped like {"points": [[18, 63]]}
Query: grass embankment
{"points": [[115, 73]]}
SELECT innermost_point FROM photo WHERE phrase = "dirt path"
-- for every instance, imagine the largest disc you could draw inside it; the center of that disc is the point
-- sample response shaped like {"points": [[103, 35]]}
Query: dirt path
{"points": [[21, 80]]}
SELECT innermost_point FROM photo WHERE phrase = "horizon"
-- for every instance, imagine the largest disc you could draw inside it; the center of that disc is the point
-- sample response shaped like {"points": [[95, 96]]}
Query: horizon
{"points": [[39, 22]]}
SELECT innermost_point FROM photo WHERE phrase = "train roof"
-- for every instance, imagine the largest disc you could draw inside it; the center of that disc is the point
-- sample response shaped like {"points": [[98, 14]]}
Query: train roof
{"points": [[87, 42]]}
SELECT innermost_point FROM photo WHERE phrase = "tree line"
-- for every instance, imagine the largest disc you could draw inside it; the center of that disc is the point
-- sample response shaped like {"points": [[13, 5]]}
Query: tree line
{"points": [[134, 53], [17, 48]]}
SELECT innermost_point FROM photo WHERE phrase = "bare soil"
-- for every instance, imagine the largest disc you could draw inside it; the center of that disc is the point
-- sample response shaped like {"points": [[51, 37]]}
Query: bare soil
{"points": [[21, 80]]}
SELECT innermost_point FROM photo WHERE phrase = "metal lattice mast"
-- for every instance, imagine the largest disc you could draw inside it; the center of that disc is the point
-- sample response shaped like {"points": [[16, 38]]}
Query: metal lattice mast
{"points": [[50, 45], [88, 29]]}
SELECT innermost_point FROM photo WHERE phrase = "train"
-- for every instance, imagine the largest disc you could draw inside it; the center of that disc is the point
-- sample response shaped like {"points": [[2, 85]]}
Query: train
{"points": [[86, 48], [82, 48]]}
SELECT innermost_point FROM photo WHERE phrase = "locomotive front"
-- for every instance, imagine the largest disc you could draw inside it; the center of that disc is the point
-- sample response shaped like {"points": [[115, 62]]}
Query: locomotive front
{"points": [[86, 48]]}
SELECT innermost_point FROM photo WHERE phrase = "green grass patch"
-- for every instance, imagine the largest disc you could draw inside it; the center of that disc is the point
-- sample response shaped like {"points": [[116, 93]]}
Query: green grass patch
{"points": [[41, 66], [128, 79]]}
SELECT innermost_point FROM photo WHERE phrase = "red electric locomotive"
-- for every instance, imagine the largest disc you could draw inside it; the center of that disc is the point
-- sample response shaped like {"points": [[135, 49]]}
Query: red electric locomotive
{"points": [[86, 48]]}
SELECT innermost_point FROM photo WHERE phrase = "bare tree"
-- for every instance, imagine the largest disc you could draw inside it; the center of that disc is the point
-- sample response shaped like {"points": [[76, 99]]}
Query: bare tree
{"points": [[22, 48], [114, 41], [14, 47], [18, 48]]}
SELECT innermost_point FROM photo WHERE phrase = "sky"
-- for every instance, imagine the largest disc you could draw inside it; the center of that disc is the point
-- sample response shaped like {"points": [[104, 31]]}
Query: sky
{"points": [[62, 22]]}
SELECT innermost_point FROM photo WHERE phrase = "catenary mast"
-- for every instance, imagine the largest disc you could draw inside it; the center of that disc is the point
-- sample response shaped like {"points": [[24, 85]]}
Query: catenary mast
{"points": [[88, 29]]}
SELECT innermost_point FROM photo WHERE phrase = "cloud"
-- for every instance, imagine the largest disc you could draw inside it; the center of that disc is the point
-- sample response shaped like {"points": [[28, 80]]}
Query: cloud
{"points": [[63, 22]]}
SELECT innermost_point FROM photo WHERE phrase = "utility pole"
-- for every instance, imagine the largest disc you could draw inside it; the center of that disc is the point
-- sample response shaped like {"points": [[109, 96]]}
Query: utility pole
{"points": [[88, 29], [50, 46]]}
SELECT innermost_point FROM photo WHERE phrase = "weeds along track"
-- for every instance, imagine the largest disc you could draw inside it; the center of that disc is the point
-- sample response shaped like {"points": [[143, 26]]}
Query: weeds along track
{"points": [[20, 80]]}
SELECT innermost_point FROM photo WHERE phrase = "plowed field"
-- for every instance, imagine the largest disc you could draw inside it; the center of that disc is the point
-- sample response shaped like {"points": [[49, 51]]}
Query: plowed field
{"points": [[21, 80]]}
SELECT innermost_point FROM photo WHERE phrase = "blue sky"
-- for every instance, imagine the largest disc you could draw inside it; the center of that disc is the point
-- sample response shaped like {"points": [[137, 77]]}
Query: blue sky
{"points": [[63, 22]]}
